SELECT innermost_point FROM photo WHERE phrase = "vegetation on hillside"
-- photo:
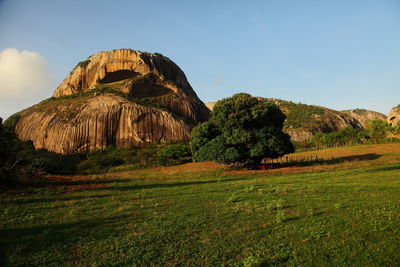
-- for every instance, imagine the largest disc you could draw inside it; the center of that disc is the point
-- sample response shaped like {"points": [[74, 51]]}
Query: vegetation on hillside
{"points": [[301, 115], [242, 131], [378, 131], [113, 158], [103, 90]]}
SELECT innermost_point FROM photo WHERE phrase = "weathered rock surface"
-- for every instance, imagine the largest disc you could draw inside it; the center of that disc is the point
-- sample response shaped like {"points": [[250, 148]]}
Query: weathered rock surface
{"points": [[210, 105], [305, 120], [94, 122], [122, 97], [139, 74], [394, 116], [364, 116]]}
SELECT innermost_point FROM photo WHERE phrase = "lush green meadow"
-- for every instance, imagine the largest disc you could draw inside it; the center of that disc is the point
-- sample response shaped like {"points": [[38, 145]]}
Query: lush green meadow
{"points": [[340, 212]]}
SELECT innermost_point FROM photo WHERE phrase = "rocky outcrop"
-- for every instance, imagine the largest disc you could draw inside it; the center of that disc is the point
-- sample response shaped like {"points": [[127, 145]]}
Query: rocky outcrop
{"points": [[122, 97], [95, 122], [394, 116], [302, 121], [139, 75], [364, 116], [210, 105]]}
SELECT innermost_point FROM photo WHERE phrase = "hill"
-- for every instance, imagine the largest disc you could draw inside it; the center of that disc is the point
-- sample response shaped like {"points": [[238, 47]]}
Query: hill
{"points": [[122, 97], [305, 120]]}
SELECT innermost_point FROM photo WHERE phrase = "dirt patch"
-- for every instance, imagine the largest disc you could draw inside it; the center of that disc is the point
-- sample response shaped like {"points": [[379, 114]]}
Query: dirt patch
{"points": [[382, 149], [193, 167]]}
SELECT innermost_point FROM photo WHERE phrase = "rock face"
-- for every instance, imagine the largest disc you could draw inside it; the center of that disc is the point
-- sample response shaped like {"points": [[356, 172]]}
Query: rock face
{"points": [[394, 116], [210, 105], [123, 97], [67, 126], [140, 75], [305, 120], [364, 116]]}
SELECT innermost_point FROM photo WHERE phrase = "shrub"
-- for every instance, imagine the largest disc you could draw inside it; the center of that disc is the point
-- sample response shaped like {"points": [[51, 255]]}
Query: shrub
{"points": [[15, 155], [54, 163], [110, 157], [378, 130], [147, 156], [173, 154], [87, 166]]}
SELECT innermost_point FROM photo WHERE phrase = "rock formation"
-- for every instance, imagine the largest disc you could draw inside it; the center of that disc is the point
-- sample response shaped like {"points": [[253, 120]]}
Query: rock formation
{"points": [[305, 120], [122, 97], [394, 116], [140, 75], [210, 105], [364, 116]]}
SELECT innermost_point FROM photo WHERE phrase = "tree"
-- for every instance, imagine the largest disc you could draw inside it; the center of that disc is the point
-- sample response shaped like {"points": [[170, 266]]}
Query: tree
{"points": [[242, 131], [378, 129], [14, 154]]}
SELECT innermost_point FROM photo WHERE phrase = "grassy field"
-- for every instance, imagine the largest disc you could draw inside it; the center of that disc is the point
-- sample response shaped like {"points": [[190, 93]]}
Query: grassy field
{"points": [[337, 213]]}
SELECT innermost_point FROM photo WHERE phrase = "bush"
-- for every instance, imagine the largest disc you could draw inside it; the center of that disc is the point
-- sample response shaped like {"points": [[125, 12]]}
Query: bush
{"points": [[174, 154], [15, 155], [378, 130], [87, 166], [148, 156], [102, 160], [54, 163]]}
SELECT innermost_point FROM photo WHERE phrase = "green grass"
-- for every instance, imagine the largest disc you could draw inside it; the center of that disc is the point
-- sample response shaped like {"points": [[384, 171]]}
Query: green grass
{"points": [[347, 216]]}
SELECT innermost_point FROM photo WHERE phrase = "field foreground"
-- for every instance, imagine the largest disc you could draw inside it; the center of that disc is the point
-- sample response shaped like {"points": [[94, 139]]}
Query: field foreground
{"points": [[343, 211]]}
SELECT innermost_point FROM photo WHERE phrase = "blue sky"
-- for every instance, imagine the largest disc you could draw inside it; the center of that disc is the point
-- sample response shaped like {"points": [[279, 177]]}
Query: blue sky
{"points": [[338, 54]]}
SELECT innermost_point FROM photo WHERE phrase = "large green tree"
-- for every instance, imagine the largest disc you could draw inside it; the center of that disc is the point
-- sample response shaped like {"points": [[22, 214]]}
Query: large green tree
{"points": [[242, 131]]}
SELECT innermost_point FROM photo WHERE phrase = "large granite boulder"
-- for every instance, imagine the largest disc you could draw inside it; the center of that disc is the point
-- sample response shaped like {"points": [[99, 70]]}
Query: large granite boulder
{"points": [[122, 97]]}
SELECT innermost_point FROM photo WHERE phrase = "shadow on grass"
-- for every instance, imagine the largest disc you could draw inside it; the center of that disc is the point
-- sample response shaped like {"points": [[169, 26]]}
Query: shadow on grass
{"points": [[53, 232], [70, 182], [58, 185], [390, 168], [33, 239], [290, 219], [27, 200], [166, 185]]}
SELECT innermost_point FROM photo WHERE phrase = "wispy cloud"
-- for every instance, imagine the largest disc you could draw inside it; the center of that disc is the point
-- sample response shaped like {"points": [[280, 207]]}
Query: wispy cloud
{"points": [[25, 79]]}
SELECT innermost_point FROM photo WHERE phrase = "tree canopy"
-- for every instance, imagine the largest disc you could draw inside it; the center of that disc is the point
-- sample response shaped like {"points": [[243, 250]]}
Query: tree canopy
{"points": [[242, 130]]}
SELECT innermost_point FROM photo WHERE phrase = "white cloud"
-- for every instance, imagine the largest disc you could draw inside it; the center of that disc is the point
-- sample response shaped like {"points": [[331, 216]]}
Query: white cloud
{"points": [[25, 79]]}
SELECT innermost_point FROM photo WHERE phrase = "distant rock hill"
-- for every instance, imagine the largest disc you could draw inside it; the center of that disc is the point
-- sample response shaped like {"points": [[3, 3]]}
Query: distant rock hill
{"points": [[305, 120], [122, 97], [394, 116]]}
